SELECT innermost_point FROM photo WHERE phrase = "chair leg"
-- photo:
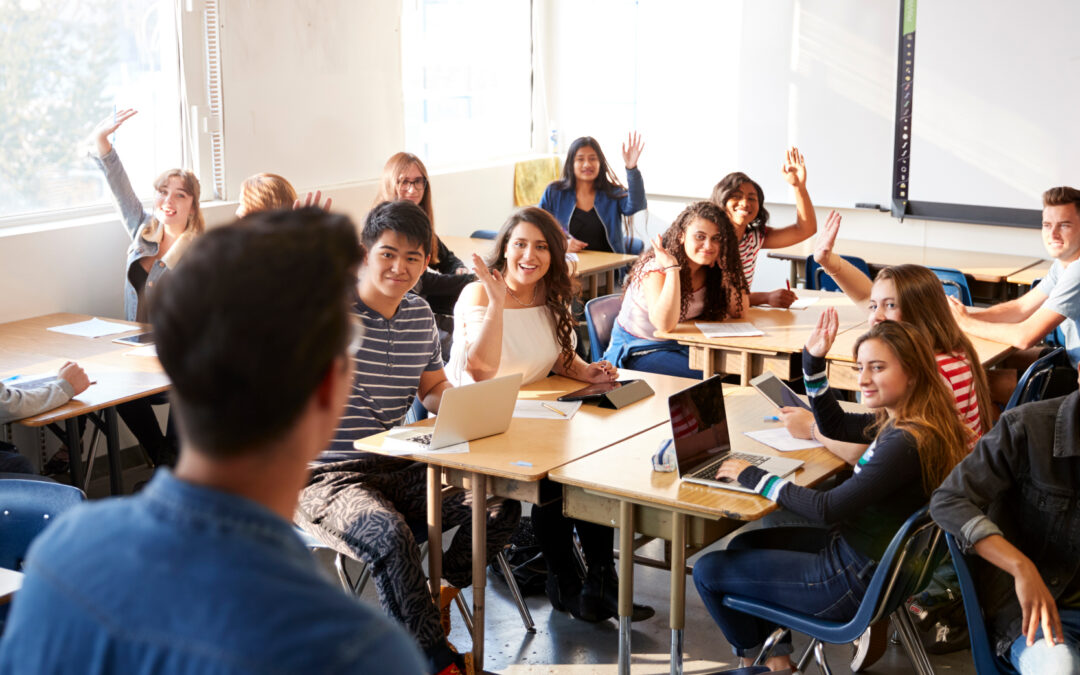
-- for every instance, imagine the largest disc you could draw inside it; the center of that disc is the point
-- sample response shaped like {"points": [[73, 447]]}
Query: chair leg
{"points": [[770, 642], [89, 464], [804, 660], [909, 638], [579, 558], [819, 656], [511, 582], [466, 614]]}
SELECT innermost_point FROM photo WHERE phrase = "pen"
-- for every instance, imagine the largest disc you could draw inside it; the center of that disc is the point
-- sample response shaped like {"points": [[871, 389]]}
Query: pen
{"points": [[772, 418], [554, 409], [788, 282]]}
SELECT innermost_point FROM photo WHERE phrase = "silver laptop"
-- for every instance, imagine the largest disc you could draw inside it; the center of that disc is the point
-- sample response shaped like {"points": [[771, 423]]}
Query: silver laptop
{"points": [[465, 414], [699, 429]]}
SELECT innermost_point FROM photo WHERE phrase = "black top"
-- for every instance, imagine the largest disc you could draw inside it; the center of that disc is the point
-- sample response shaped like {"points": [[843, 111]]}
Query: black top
{"points": [[587, 226], [448, 262]]}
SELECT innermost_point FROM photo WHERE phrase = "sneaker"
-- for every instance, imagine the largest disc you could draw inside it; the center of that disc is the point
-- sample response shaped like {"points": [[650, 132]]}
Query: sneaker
{"points": [[871, 646], [599, 599]]}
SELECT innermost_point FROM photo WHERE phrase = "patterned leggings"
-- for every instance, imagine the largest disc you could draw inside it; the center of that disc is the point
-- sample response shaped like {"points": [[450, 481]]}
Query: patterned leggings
{"points": [[367, 508]]}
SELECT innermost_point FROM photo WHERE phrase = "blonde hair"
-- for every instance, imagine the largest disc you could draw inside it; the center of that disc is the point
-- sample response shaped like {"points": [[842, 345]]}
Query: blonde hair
{"points": [[394, 168], [196, 224], [265, 192]]}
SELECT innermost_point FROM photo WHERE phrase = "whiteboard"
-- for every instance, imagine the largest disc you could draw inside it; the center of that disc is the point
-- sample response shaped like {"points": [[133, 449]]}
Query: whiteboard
{"points": [[724, 85]]}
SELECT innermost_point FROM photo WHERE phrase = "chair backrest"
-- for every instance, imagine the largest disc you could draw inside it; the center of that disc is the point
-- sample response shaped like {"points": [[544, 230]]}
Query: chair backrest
{"points": [[635, 246], [1035, 380], [484, 234], [1057, 338], [818, 280], [26, 508], [982, 650], [600, 316], [954, 283]]}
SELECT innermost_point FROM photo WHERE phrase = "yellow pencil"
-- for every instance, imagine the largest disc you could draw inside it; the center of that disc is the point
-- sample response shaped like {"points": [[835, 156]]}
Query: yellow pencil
{"points": [[554, 409]]}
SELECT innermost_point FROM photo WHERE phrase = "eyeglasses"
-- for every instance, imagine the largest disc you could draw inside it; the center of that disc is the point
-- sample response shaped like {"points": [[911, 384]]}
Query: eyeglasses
{"points": [[417, 184]]}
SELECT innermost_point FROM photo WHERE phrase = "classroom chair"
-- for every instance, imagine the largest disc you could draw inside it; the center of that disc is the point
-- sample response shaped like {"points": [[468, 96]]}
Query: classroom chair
{"points": [[27, 505], [982, 651], [904, 569], [955, 284], [1035, 380], [818, 280], [600, 316], [1057, 338], [484, 234]]}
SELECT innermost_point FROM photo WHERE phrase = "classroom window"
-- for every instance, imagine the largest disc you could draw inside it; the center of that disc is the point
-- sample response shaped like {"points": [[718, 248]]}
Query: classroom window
{"points": [[65, 65], [467, 78]]}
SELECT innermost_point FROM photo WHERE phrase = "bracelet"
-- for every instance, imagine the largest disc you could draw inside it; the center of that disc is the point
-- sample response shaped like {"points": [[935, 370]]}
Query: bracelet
{"points": [[671, 267]]}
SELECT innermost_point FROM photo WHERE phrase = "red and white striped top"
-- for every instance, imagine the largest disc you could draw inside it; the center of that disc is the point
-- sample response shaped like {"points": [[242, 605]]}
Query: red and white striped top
{"points": [[957, 373], [749, 245]]}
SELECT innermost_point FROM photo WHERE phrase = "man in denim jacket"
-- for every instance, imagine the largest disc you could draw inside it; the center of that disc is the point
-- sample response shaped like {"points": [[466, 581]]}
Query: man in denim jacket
{"points": [[1014, 502], [202, 571]]}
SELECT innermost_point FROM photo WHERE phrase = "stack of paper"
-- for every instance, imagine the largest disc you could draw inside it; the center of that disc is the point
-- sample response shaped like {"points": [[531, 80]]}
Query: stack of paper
{"points": [[734, 329]]}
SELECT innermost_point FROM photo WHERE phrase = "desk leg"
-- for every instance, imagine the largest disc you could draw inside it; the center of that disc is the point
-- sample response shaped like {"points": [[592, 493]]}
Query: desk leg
{"points": [[434, 520], [626, 582], [479, 565], [744, 376], [610, 279], [74, 444], [112, 443], [793, 273], [594, 286], [678, 590], [707, 369]]}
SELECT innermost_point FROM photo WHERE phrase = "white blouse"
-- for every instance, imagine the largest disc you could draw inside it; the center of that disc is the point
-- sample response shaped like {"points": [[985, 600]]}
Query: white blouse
{"points": [[529, 343]]}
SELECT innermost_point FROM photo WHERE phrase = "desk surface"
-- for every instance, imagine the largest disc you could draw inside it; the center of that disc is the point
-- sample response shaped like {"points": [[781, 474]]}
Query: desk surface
{"points": [[624, 470], [1028, 276], [589, 262], [27, 348], [990, 267], [547, 444]]}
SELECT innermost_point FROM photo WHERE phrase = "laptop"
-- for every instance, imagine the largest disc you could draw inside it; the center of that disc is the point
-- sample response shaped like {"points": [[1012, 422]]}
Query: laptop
{"points": [[466, 413], [699, 429]]}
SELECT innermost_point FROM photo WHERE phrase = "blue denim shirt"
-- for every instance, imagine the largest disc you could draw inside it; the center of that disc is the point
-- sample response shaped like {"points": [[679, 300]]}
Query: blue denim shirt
{"points": [[1022, 481], [560, 203], [184, 579]]}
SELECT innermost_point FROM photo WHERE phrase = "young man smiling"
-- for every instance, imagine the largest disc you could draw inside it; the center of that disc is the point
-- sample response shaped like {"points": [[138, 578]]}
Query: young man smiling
{"points": [[363, 504]]}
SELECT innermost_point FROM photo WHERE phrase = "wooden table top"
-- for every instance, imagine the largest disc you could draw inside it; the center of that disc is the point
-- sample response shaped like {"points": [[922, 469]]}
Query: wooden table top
{"points": [[990, 352], [589, 262], [27, 348], [547, 444], [1027, 277], [625, 470], [990, 267], [785, 330]]}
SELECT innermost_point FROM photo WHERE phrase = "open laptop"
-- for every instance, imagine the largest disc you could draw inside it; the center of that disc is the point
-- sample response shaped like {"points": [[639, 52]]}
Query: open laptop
{"points": [[699, 428], [465, 414]]}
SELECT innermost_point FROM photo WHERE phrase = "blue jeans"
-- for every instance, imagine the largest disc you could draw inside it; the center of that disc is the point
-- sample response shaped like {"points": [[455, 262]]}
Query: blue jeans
{"points": [[811, 570], [664, 361], [1043, 659]]}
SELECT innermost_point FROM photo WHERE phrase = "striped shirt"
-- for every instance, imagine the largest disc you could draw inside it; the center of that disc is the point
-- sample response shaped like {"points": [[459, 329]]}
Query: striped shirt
{"points": [[957, 373], [387, 370], [752, 241]]}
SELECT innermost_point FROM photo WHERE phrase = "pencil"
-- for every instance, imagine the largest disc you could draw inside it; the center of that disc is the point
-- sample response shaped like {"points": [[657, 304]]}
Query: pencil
{"points": [[554, 409]]}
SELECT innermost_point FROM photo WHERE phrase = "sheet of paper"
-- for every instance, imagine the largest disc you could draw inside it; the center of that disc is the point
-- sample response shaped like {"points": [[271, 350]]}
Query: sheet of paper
{"points": [[145, 350], [29, 382], [718, 330], [92, 328], [571, 257], [546, 410], [781, 440], [803, 303], [397, 446]]}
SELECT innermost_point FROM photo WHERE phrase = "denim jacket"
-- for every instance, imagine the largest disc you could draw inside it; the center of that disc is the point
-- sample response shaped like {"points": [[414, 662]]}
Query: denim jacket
{"points": [[1021, 481], [145, 233], [560, 203]]}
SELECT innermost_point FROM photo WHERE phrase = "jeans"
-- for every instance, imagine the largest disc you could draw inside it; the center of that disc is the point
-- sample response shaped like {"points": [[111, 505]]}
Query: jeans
{"points": [[664, 361], [1043, 659], [811, 570]]}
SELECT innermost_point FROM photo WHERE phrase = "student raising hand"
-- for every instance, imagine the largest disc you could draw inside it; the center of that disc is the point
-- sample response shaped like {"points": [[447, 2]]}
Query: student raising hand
{"points": [[313, 200], [631, 149], [494, 284], [794, 168], [108, 127], [821, 340], [665, 259], [825, 242]]}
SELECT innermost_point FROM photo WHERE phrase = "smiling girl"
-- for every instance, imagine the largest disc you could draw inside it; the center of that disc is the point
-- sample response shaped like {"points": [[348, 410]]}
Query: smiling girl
{"points": [[691, 272], [915, 439]]}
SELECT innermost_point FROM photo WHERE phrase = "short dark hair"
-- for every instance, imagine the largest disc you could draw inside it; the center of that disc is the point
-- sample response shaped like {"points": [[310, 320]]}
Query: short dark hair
{"points": [[1060, 196], [249, 322], [403, 217]]}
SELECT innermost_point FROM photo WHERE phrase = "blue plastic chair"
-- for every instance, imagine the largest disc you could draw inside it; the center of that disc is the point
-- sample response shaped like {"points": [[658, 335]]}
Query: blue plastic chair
{"points": [[982, 652], [636, 246], [1057, 338], [954, 283], [27, 506], [600, 316], [1032, 385], [484, 234], [904, 569], [817, 279]]}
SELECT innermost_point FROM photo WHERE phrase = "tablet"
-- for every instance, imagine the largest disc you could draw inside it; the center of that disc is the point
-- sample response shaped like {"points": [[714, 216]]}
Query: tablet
{"points": [[594, 391], [137, 340], [777, 392]]}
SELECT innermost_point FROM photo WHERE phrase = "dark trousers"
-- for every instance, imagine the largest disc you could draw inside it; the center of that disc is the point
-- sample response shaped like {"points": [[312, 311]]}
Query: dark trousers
{"points": [[139, 416], [556, 535]]}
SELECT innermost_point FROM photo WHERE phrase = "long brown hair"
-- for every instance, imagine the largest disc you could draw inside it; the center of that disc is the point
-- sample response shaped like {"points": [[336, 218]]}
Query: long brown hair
{"points": [[196, 224], [923, 305], [559, 287], [928, 412], [393, 170], [725, 286]]}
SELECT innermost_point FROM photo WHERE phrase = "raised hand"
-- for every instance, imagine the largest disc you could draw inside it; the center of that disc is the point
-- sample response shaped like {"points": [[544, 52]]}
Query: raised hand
{"points": [[494, 284], [821, 340], [313, 200], [826, 240], [631, 149], [107, 127], [662, 256], [794, 168]]}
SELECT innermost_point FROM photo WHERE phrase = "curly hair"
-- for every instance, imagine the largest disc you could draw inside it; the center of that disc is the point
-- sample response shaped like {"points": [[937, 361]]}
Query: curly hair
{"points": [[731, 182], [725, 283], [559, 287]]}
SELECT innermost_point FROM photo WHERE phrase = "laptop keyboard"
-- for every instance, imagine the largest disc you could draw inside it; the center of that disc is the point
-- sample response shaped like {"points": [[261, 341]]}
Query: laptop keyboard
{"points": [[709, 470]]}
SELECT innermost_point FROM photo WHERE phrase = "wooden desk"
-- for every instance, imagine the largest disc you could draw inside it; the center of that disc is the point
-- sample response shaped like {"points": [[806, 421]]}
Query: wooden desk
{"points": [[1027, 277], [617, 486], [10, 582], [591, 265], [513, 465], [774, 352], [27, 348]]}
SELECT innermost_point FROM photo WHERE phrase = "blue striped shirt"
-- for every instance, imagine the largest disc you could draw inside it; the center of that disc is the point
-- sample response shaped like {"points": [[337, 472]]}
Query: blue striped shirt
{"points": [[387, 370]]}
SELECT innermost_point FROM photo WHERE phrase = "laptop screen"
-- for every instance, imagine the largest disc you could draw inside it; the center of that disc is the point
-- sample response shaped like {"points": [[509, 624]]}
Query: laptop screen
{"points": [[699, 425]]}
